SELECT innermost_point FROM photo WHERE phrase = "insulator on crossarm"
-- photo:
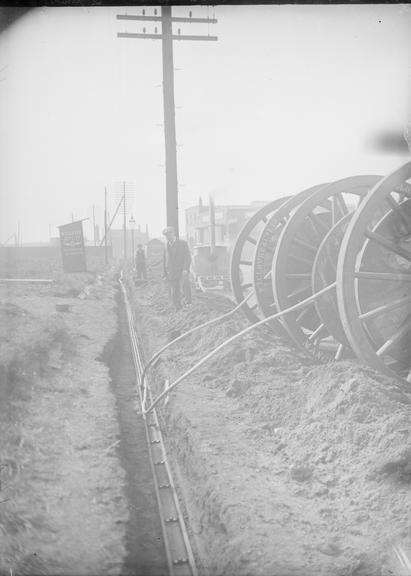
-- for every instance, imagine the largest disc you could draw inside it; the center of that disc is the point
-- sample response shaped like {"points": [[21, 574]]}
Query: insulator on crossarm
{"points": [[179, 31], [190, 14], [155, 29], [144, 12], [155, 11], [144, 30]]}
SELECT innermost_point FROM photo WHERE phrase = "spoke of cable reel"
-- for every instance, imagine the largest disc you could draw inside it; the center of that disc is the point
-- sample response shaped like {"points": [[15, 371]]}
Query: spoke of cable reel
{"points": [[319, 226], [334, 215], [385, 308], [402, 214], [388, 244], [385, 276], [341, 203], [316, 333], [304, 312], [300, 291], [245, 263], [331, 260], [251, 240], [335, 211], [298, 275], [300, 259], [314, 228], [304, 244], [404, 329]]}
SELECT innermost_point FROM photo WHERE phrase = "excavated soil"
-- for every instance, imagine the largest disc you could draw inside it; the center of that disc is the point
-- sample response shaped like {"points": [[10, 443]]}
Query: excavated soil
{"points": [[63, 506], [288, 466]]}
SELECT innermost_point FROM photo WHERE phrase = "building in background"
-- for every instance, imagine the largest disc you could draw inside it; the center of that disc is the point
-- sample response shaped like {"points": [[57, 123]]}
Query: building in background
{"points": [[228, 222]]}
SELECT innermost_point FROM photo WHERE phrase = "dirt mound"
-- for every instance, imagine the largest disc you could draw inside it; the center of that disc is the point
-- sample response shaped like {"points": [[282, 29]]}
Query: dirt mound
{"points": [[289, 466], [28, 345]]}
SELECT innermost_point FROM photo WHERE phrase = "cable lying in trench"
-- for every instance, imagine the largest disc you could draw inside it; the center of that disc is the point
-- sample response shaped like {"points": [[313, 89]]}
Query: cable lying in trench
{"points": [[229, 341], [180, 557], [155, 357]]}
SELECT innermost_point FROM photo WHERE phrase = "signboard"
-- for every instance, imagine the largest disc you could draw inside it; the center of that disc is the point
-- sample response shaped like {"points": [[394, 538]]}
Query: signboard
{"points": [[72, 247]]}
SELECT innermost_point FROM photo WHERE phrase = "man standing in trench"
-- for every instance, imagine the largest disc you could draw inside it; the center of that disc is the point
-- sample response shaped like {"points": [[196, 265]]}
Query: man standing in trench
{"points": [[141, 263], [177, 261]]}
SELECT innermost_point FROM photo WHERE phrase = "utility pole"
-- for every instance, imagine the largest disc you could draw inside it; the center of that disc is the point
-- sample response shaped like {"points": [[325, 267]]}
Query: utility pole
{"points": [[212, 225], [132, 223], [94, 227], [105, 226], [124, 222], [169, 119], [119, 205], [167, 37]]}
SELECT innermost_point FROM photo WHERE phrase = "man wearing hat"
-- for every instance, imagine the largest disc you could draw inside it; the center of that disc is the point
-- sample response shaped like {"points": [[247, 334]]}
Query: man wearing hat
{"points": [[177, 261], [140, 259]]}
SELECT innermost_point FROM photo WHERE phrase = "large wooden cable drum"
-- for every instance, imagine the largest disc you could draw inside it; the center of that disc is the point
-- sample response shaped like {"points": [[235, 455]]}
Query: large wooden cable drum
{"points": [[374, 277], [295, 254], [264, 253], [242, 257]]}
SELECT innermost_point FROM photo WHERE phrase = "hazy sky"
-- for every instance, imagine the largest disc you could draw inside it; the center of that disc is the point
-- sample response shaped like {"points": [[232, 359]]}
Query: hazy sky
{"points": [[287, 98]]}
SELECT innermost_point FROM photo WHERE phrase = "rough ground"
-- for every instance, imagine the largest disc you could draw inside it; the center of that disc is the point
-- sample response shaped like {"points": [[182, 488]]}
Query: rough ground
{"points": [[63, 508], [288, 467]]}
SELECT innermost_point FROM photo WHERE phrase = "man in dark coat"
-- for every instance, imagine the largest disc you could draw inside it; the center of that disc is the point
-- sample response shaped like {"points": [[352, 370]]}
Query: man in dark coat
{"points": [[177, 261], [141, 263]]}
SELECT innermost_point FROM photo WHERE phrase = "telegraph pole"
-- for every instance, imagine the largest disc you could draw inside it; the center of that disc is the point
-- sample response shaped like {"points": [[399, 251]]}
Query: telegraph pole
{"points": [[169, 119], [94, 227], [124, 222], [105, 226], [167, 37]]}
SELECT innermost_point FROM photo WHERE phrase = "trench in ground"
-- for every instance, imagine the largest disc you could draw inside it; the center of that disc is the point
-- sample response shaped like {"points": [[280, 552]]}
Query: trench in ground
{"points": [[144, 541]]}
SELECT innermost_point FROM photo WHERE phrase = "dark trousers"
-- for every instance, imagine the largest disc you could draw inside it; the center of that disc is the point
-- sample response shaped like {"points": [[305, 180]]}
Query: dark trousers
{"points": [[141, 271], [176, 284]]}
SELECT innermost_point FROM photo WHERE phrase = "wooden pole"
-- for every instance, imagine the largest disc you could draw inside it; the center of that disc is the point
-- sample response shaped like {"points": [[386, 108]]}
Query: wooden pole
{"points": [[167, 38], [94, 227], [169, 119], [105, 226], [212, 225], [124, 222]]}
